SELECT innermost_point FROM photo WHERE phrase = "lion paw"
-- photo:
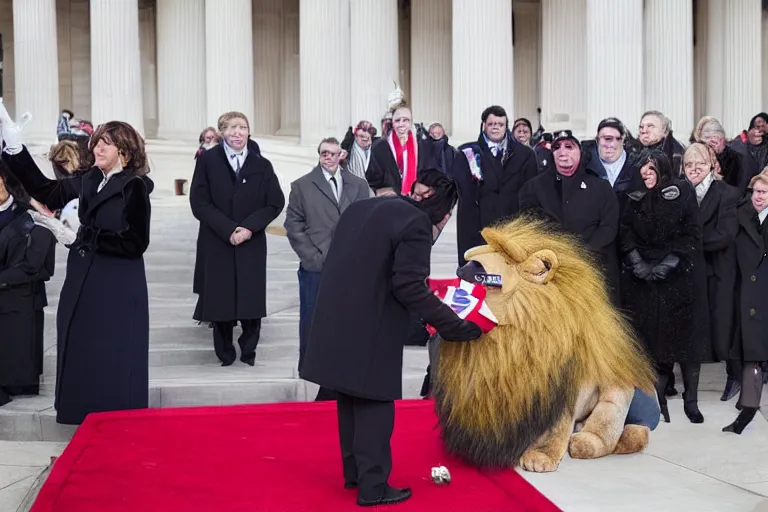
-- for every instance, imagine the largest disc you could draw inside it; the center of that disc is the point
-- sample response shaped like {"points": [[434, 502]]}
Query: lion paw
{"points": [[633, 439], [586, 445], [538, 462]]}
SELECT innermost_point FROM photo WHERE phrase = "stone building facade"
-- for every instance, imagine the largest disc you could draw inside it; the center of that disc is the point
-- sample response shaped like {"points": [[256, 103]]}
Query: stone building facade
{"points": [[311, 68]]}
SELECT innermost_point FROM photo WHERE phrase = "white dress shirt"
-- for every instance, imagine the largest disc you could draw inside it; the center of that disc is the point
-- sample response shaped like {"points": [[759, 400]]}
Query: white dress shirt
{"points": [[108, 177], [762, 215], [339, 182], [235, 157]]}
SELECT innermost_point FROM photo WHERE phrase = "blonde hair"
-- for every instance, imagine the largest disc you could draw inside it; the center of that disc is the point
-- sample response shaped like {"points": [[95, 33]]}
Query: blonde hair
{"points": [[702, 150], [763, 176], [225, 118]]}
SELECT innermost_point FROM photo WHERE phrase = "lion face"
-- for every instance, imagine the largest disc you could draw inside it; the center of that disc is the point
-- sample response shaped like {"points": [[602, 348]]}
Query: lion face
{"points": [[537, 270]]}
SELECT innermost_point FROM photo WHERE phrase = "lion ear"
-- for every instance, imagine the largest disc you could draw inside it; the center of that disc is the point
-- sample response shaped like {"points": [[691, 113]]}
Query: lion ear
{"points": [[539, 267]]}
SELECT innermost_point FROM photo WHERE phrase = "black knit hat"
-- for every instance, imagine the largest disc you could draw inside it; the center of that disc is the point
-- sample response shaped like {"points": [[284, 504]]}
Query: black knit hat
{"points": [[561, 135], [612, 122]]}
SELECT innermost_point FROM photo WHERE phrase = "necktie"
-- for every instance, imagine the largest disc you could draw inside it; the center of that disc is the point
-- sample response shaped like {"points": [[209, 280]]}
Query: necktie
{"points": [[335, 188], [237, 161]]}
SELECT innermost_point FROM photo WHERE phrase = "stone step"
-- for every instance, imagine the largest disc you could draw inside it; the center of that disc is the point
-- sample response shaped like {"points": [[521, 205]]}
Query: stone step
{"points": [[273, 379], [193, 344]]}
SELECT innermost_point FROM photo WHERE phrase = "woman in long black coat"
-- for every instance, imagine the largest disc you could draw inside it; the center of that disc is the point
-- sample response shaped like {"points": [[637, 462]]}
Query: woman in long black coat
{"points": [[103, 315], [717, 212], [26, 262], [231, 280], [751, 346], [663, 285]]}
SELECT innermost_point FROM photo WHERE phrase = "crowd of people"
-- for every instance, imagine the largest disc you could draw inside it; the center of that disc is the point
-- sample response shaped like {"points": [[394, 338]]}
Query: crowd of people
{"points": [[676, 229]]}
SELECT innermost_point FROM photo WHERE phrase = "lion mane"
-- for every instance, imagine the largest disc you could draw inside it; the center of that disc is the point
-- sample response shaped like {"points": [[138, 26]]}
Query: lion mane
{"points": [[497, 395]]}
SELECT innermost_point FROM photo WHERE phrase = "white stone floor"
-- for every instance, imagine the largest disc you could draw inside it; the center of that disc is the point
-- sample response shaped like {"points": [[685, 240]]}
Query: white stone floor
{"points": [[686, 467]]}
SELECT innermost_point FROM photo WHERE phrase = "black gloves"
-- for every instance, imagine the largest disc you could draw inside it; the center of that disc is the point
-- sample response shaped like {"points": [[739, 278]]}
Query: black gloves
{"points": [[640, 268], [462, 331], [664, 267]]}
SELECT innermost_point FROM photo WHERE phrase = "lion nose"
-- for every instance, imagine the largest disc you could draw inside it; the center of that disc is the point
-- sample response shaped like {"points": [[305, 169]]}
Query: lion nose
{"points": [[470, 270]]}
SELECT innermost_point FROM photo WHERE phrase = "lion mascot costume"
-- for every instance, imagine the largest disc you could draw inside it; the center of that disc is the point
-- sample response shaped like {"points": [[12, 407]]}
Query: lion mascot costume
{"points": [[561, 359]]}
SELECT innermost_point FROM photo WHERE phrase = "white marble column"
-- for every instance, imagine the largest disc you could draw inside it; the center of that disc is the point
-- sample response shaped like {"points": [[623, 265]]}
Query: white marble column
{"points": [[229, 59], [669, 62], [372, 74], [765, 59], [614, 50], [325, 60], [116, 63], [37, 66], [483, 63], [290, 89], [180, 69], [431, 61], [527, 36], [742, 79], [700, 59], [715, 44], [563, 64], [267, 65]]}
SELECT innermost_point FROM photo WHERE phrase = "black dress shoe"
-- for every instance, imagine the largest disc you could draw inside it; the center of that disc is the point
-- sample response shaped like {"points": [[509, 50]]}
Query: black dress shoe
{"points": [[692, 411], [227, 363], [390, 497], [250, 361], [670, 391]]}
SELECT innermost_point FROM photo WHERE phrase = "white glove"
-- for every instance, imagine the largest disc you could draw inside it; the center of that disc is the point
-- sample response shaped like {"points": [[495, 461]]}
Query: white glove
{"points": [[11, 132]]}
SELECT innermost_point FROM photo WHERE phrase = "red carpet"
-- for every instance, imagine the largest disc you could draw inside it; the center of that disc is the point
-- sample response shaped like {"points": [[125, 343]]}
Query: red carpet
{"points": [[271, 458]]}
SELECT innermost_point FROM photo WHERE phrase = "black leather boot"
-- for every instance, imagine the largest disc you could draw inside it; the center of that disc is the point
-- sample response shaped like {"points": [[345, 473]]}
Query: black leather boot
{"points": [[661, 386], [745, 417], [691, 374]]}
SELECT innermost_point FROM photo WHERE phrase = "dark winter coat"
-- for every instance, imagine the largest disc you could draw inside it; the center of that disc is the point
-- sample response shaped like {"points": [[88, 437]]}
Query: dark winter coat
{"points": [[496, 196], [753, 158], [373, 279], [672, 149], [103, 316], [383, 171], [585, 206], [629, 178], [730, 162], [751, 342], [717, 212], [439, 154], [232, 282], [27, 260], [670, 315]]}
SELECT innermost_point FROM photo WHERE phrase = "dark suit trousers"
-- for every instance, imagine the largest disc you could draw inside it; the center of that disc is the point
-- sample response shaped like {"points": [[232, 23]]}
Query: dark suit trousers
{"points": [[309, 283], [223, 340], [365, 430]]}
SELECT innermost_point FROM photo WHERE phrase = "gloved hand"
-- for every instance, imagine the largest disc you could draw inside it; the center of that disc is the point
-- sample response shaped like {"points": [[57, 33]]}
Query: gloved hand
{"points": [[640, 268], [11, 131], [463, 331], [664, 267]]}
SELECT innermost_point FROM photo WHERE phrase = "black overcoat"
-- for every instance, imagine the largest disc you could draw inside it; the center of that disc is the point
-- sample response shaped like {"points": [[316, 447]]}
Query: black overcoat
{"points": [[717, 212], [383, 171], [374, 277], [232, 280], [27, 260], [482, 203], [584, 205], [751, 342], [670, 316], [103, 315]]}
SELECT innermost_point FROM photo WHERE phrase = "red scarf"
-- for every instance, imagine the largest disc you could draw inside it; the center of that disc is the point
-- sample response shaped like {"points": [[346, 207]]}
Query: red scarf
{"points": [[408, 172]]}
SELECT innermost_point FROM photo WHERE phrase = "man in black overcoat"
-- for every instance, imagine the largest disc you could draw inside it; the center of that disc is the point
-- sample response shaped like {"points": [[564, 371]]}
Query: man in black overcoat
{"points": [[374, 278], [489, 174], [235, 194], [582, 203]]}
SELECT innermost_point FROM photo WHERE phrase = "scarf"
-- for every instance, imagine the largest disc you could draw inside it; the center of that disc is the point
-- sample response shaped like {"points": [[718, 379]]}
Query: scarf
{"points": [[63, 234], [358, 162], [407, 169], [703, 187]]}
